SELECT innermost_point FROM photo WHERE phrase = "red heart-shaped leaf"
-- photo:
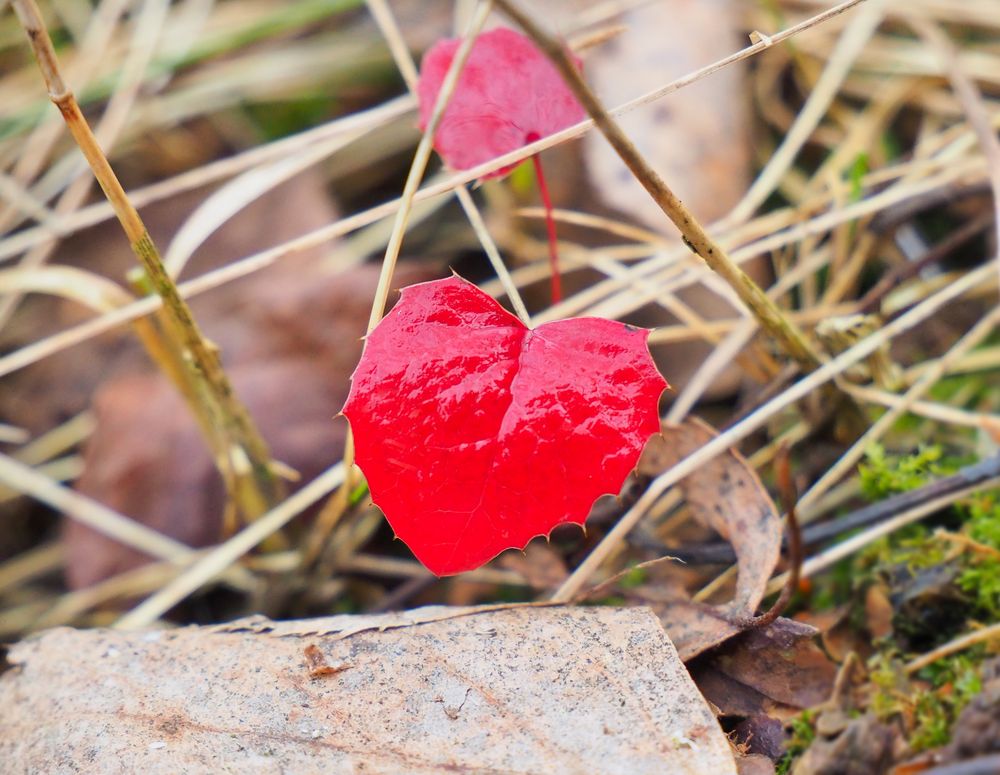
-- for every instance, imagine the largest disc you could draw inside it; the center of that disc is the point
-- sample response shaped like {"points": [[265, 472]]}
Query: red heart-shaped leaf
{"points": [[477, 433], [509, 94]]}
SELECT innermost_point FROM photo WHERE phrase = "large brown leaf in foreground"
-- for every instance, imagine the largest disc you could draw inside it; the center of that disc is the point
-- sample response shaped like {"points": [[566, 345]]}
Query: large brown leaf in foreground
{"points": [[569, 690]]}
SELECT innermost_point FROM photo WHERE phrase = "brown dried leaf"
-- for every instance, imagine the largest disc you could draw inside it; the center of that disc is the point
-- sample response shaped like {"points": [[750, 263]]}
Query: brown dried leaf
{"points": [[726, 495], [485, 690], [865, 746], [773, 670]]}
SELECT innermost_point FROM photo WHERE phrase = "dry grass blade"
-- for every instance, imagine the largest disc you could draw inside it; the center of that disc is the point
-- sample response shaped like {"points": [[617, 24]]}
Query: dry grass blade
{"points": [[755, 420], [238, 446], [695, 236], [26, 480], [972, 103], [218, 560]]}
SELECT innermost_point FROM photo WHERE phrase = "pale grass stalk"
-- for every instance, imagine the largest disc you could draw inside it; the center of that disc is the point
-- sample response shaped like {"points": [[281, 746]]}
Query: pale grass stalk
{"points": [[227, 201], [12, 434], [669, 302], [382, 13], [24, 201], [237, 445], [741, 335], [927, 409], [393, 567], [408, 69], [25, 479], [852, 41], [63, 469], [721, 358], [137, 582], [56, 441], [982, 329], [972, 103], [493, 253], [87, 288], [35, 563], [980, 360], [849, 546], [757, 419], [218, 560], [599, 222], [961, 643]]}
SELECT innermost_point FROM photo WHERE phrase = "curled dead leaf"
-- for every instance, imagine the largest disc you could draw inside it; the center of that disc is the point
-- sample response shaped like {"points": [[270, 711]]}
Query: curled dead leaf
{"points": [[727, 496]]}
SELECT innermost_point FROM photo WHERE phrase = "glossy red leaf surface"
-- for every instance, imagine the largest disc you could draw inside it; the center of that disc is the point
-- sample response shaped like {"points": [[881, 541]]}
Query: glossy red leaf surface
{"points": [[508, 95], [477, 434]]}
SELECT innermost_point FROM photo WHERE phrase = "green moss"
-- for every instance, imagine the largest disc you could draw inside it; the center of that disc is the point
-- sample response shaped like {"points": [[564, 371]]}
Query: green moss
{"points": [[883, 475], [954, 683], [855, 175], [634, 578], [980, 579], [929, 708], [802, 733], [982, 582]]}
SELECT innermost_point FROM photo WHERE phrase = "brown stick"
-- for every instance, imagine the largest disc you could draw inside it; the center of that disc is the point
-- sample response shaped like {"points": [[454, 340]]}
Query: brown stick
{"points": [[239, 450], [787, 334]]}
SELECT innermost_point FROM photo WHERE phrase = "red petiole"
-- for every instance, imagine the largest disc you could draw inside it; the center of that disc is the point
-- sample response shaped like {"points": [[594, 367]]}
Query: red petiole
{"points": [[550, 224]]}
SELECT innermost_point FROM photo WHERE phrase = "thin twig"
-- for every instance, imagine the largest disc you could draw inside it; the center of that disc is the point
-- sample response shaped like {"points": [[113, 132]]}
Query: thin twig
{"points": [[785, 332], [756, 420], [243, 458]]}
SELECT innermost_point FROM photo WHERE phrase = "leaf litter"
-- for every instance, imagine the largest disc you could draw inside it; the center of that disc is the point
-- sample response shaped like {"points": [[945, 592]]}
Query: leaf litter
{"points": [[820, 230], [727, 496]]}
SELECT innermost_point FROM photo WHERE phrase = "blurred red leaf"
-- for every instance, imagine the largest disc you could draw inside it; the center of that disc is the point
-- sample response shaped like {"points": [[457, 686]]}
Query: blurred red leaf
{"points": [[477, 434], [508, 95]]}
